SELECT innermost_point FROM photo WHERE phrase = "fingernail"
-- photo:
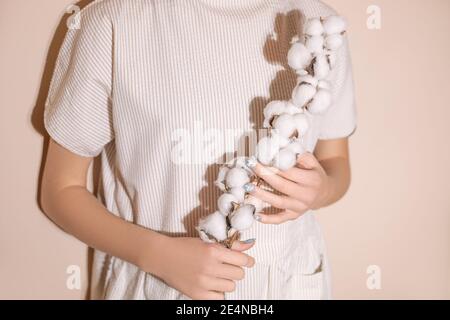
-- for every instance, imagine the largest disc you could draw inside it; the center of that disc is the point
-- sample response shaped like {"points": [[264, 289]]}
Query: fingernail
{"points": [[258, 217], [248, 241], [251, 162], [249, 187]]}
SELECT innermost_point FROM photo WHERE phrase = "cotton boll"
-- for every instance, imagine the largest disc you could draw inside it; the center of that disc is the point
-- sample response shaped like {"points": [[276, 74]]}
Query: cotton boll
{"points": [[226, 202], [302, 94], [220, 182], [272, 109], [242, 219], [285, 159], [321, 102], [238, 193], [215, 225], [280, 140], [267, 149], [292, 109], [284, 125], [239, 162], [323, 84], [334, 41], [334, 24], [204, 236], [301, 123], [257, 203], [237, 177], [308, 79], [321, 67], [315, 44], [299, 57], [314, 27], [296, 146]]}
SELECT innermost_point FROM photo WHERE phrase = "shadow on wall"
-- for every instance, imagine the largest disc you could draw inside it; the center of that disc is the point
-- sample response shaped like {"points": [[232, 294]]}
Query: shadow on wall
{"points": [[37, 116], [286, 26]]}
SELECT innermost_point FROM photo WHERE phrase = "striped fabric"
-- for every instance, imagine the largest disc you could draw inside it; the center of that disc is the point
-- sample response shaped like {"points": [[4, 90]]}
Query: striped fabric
{"points": [[162, 90]]}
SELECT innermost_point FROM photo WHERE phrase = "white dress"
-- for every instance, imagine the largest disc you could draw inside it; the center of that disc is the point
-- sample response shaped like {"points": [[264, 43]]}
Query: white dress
{"points": [[162, 90]]}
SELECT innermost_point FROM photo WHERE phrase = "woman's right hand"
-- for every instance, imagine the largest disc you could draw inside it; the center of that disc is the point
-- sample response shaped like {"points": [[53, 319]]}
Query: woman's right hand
{"points": [[200, 270]]}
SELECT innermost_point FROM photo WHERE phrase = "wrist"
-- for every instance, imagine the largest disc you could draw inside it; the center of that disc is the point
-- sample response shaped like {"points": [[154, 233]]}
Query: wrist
{"points": [[326, 194], [150, 257]]}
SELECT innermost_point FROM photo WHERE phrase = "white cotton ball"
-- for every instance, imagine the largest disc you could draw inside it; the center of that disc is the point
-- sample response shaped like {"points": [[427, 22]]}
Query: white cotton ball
{"points": [[301, 123], [334, 24], [321, 102], [279, 139], [215, 224], [240, 162], [237, 177], [257, 203], [334, 41], [314, 27], [242, 219], [299, 56], [267, 149], [204, 236], [285, 159], [308, 79], [303, 94], [220, 181], [321, 67], [238, 193], [323, 84], [296, 146], [291, 108], [225, 203], [284, 125], [315, 44], [273, 108]]}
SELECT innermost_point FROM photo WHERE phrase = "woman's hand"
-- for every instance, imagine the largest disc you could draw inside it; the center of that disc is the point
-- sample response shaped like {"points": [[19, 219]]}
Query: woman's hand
{"points": [[200, 270], [306, 186]]}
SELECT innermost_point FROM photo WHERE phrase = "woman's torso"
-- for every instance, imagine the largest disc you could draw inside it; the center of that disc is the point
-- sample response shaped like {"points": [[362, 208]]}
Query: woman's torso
{"points": [[190, 80]]}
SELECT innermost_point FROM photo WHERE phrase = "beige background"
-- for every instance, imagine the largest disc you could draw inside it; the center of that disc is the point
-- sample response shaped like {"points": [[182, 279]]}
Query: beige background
{"points": [[396, 214]]}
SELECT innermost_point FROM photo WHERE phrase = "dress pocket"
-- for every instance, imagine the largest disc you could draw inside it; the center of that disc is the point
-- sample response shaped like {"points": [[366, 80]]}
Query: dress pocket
{"points": [[306, 286], [305, 279]]}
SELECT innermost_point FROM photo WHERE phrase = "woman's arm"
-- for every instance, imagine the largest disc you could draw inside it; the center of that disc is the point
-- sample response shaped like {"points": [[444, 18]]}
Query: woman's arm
{"points": [[70, 205], [179, 261], [333, 156], [317, 181]]}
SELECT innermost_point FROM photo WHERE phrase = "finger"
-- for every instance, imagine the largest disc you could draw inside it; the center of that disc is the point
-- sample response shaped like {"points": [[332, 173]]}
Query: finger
{"points": [[279, 217], [213, 295], [275, 181], [230, 272], [243, 245], [281, 202], [220, 285], [295, 174], [307, 160], [236, 258]]}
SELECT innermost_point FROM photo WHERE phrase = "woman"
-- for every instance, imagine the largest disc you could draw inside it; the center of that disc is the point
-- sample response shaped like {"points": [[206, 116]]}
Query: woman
{"points": [[138, 79]]}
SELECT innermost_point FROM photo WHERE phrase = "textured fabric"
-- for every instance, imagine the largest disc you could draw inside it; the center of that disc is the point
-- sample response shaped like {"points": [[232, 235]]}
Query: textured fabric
{"points": [[162, 90]]}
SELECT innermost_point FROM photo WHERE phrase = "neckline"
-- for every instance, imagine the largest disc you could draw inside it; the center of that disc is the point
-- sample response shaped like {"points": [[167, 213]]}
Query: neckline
{"points": [[237, 4]]}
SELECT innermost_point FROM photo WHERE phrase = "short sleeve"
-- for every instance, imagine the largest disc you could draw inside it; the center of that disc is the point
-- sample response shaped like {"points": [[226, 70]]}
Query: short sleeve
{"points": [[78, 109], [340, 119]]}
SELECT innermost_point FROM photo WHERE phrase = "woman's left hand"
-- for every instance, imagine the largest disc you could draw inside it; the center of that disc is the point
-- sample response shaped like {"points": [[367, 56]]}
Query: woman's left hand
{"points": [[304, 187]]}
